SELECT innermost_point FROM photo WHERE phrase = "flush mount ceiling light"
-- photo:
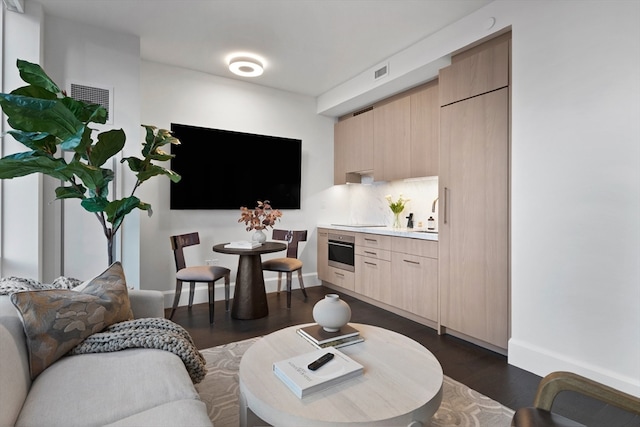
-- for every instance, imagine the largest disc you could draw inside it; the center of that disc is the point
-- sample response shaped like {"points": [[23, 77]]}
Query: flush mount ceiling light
{"points": [[246, 65]]}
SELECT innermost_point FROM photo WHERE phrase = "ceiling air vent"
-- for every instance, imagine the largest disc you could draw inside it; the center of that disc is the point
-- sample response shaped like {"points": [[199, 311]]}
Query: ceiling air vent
{"points": [[94, 95], [381, 72]]}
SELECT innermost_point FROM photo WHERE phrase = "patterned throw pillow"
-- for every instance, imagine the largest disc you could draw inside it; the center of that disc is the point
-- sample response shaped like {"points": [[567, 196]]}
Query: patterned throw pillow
{"points": [[57, 320]]}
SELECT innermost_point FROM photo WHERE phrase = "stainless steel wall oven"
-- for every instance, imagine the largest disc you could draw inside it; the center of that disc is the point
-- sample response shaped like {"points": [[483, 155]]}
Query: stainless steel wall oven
{"points": [[342, 251]]}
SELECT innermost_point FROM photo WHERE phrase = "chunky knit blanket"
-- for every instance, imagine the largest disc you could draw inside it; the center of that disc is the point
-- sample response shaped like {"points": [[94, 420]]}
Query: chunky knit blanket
{"points": [[152, 332]]}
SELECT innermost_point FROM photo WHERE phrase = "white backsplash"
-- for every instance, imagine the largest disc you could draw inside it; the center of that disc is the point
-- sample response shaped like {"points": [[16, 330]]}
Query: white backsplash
{"points": [[367, 203]]}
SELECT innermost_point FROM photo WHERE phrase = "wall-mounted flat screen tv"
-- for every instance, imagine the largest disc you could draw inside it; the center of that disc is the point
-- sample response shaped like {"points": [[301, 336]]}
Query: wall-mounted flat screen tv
{"points": [[223, 169]]}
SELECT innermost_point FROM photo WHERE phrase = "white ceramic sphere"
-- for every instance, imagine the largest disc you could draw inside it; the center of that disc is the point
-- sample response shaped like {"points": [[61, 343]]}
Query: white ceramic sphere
{"points": [[331, 313]]}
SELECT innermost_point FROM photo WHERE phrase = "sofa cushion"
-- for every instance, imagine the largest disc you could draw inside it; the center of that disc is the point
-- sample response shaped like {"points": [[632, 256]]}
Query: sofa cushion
{"points": [[57, 320], [191, 413], [15, 380], [100, 389]]}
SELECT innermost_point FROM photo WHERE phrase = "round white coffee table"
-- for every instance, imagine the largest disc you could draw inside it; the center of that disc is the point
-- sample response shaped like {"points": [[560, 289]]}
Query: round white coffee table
{"points": [[401, 384]]}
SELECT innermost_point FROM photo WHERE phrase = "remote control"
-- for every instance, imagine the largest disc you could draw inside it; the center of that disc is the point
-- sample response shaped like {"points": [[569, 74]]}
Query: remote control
{"points": [[316, 364]]}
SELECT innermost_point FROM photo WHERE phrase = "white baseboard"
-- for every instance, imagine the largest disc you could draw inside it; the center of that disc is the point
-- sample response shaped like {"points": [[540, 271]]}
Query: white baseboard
{"points": [[541, 362], [201, 293]]}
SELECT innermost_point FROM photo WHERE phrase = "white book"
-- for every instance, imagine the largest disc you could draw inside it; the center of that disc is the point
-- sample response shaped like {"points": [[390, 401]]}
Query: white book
{"points": [[337, 343], [317, 334], [302, 381], [243, 244]]}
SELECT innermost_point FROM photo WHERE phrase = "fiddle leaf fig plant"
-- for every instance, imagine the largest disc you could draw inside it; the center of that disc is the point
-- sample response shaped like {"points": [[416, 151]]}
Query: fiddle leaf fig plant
{"points": [[49, 123]]}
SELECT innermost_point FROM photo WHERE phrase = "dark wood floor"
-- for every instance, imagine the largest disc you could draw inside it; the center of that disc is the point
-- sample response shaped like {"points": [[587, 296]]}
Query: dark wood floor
{"points": [[482, 370]]}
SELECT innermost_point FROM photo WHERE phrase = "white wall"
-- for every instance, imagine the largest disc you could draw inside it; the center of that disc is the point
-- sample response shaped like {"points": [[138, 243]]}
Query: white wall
{"points": [[171, 94], [98, 58], [21, 198], [576, 189]]}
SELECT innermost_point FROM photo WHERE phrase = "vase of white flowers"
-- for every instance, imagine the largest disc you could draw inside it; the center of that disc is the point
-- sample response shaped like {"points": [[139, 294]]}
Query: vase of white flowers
{"points": [[397, 207]]}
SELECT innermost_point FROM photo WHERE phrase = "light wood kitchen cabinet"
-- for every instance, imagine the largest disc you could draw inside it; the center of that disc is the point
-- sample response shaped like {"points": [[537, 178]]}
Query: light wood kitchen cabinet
{"points": [[392, 140], [353, 147], [476, 71], [373, 267], [414, 269], [474, 213], [425, 117], [343, 278], [323, 254]]}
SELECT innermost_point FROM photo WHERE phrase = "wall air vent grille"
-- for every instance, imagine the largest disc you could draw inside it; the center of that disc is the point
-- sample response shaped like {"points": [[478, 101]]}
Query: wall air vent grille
{"points": [[94, 95], [362, 111], [381, 72]]}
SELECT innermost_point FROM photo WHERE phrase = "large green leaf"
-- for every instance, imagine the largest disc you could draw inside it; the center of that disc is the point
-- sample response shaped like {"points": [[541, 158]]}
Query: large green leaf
{"points": [[95, 204], [34, 92], [76, 192], [160, 155], [135, 164], [39, 115], [75, 142], [86, 112], [35, 75], [109, 144], [153, 170], [118, 209], [21, 164], [36, 141], [92, 177]]}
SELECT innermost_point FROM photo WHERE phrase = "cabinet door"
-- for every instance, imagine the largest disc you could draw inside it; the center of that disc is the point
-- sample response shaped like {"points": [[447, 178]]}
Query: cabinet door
{"points": [[416, 280], [353, 146], [339, 154], [323, 254], [373, 277], [473, 234], [425, 116], [477, 71], [392, 142]]}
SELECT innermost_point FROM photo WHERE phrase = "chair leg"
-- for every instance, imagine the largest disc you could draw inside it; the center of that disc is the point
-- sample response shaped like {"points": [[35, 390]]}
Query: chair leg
{"points": [[279, 280], [192, 290], [289, 290], [227, 285], [176, 298], [304, 291], [211, 300]]}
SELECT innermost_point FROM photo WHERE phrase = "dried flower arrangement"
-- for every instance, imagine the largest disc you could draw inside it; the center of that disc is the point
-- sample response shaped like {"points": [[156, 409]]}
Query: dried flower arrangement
{"points": [[261, 217]]}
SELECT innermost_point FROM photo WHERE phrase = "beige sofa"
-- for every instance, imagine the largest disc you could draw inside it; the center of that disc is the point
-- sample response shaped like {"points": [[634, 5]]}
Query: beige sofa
{"points": [[133, 387]]}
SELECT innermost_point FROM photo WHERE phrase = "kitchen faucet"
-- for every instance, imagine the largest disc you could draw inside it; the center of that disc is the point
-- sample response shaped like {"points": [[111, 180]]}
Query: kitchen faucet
{"points": [[433, 206]]}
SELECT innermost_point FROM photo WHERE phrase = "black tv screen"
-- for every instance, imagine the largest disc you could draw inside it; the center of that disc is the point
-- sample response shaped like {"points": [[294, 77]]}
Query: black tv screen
{"points": [[223, 169]]}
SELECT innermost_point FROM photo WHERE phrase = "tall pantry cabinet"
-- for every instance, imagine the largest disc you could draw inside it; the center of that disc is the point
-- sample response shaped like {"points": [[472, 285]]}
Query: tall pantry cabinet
{"points": [[474, 193]]}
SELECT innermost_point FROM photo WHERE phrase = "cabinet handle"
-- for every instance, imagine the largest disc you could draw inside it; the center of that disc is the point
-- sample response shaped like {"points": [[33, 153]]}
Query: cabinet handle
{"points": [[371, 263], [444, 207], [339, 274], [370, 240], [370, 253], [411, 262]]}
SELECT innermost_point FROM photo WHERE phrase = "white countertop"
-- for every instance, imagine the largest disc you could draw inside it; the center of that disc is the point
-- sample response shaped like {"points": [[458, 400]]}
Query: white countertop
{"points": [[411, 233]]}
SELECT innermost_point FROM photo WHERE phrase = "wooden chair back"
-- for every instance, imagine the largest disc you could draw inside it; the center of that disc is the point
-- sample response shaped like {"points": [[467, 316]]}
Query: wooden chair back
{"points": [[179, 242], [292, 237]]}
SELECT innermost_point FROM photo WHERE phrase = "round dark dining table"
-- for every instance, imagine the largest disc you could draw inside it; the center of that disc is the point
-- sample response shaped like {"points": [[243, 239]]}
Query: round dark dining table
{"points": [[250, 296]]}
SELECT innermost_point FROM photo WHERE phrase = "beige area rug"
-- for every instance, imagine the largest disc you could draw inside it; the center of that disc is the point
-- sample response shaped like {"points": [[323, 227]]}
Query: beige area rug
{"points": [[461, 406]]}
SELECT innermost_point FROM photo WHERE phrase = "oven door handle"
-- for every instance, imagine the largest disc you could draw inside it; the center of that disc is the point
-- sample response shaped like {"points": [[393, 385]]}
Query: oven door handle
{"points": [[344, 245]]}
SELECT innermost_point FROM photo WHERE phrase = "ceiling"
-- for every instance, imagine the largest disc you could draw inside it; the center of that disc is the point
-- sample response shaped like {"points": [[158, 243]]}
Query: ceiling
{"points": [[310, 46]]}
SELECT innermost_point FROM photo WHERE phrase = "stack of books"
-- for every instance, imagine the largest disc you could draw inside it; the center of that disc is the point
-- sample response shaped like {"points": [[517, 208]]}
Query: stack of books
{"points": [[302, 381], [320, 338], [243, 244]]}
